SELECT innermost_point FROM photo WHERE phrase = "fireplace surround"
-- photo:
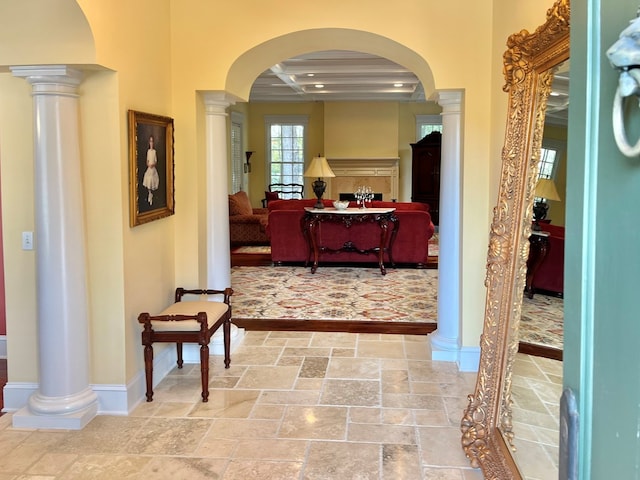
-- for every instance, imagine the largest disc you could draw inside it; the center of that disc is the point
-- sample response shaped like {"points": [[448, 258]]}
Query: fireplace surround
{"points": [[379, 173]]}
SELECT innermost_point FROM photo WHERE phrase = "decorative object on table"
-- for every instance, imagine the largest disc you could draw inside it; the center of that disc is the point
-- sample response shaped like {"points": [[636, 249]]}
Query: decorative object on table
{"points": [[545, 190], [247, 165], [341, 204], [363, 195], [151, 167], [319, 169]]}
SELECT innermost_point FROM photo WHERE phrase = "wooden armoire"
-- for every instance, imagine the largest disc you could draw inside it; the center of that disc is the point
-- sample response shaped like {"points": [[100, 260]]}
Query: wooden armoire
{"points": [[425, 173]]}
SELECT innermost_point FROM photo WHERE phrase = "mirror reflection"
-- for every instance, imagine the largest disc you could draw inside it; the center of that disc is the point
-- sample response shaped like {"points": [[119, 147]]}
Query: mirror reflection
{"points": [[537, 376]]}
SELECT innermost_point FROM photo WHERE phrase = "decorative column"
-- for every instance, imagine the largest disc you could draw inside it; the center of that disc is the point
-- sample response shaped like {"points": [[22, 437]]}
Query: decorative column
{"points": [[218, 261], [64, 398], [217, 173], [445, 341]]}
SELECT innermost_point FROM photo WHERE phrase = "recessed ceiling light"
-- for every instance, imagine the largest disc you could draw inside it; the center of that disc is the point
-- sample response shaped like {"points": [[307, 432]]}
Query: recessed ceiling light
{"points": [[319, 85], [311, 74], [397, 85]]}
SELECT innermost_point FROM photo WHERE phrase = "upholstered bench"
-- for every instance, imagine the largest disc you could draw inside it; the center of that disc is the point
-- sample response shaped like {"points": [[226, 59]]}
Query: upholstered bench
{"points": [[190, 322]]}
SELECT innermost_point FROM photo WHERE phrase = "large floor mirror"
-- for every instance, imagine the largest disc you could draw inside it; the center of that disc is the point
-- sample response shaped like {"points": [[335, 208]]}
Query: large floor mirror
{"points": [[529, 65]]}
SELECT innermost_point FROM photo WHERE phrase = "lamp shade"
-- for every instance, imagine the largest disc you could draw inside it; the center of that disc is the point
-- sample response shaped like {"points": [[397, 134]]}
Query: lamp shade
{"points": [[319, 168], [546, 188]]}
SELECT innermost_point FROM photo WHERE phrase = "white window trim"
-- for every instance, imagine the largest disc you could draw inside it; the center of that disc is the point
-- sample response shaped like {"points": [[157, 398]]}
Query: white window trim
{"points": [[238, 118], [559, 146]]}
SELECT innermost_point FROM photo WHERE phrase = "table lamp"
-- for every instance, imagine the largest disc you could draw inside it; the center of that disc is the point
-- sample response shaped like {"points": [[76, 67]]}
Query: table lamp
{"points": [[319, 168], [545, 190]]}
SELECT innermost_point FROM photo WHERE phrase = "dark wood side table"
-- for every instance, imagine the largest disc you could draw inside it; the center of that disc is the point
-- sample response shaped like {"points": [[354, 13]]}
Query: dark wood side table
{"points": [[538, 250], [384, 217]]}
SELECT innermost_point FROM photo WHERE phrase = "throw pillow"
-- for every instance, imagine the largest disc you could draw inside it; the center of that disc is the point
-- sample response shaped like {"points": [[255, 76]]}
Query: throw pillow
{"points": [[239, 204], [270, 196]]}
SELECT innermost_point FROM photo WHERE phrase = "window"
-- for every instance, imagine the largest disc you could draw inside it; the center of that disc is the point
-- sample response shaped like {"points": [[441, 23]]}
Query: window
{"points": [[286, 148], [425, 124], [237, 177], [549, 155]]}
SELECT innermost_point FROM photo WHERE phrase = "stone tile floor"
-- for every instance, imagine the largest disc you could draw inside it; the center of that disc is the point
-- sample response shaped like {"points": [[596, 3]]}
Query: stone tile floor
{"points": [[293, 405]]}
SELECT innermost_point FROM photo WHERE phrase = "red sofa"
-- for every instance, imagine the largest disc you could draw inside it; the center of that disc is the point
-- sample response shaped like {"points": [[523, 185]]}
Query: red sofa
{"points": [[288, 243], [550, 275]]}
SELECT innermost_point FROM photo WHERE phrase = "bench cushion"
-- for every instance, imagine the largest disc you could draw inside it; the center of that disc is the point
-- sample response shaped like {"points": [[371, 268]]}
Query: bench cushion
{"points": [[214, 311]]}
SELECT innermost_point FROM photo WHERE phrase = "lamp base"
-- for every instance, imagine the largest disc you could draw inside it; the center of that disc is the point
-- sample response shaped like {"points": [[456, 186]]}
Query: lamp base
{"points": [[540, 209], [318, 188]]}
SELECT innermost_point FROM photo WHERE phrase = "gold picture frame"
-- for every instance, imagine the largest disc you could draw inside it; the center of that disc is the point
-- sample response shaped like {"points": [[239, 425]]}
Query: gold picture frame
{"points": [[529, 65], [151, 167]]}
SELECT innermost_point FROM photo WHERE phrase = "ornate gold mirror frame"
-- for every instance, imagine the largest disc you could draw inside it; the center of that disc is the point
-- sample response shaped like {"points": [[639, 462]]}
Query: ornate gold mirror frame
{"points": [[528, 69]]}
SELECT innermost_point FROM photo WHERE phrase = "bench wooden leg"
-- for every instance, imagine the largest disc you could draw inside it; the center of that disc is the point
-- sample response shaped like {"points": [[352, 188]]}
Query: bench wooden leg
{"points": [[179, 351], [204, 371], [148, 370], [226, 329]]}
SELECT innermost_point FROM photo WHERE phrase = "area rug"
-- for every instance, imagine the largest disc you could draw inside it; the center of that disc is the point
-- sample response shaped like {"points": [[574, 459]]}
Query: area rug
{"points": [[541, 322], [335, 293], [363, 294]]}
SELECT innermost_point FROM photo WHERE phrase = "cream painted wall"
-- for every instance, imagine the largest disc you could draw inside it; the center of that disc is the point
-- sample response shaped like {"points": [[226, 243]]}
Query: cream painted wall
{"points": [[161, 54], [557, 208], [360, 129], [133, 39], [129, 270], [16, 153]]}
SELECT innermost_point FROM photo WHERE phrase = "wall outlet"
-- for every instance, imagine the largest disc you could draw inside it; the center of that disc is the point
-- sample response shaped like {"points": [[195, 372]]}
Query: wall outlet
{"points": [[27, 240]]}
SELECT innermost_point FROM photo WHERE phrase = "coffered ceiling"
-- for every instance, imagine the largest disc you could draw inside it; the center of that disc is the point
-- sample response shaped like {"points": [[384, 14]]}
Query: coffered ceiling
{"points": [[336, 75], [341, 75]]}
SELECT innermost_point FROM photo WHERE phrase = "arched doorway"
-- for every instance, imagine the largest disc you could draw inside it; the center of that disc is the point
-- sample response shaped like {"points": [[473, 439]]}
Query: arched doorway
{"points": [[248, 66]]}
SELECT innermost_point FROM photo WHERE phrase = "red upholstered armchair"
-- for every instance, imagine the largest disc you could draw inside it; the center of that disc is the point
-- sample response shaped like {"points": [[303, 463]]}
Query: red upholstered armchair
{"points": [[247, 225], [550, 275]]}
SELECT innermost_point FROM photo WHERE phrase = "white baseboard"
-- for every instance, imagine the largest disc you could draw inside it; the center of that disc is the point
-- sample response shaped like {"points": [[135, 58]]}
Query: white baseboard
{"points": [[115, 399], [3, 346], [469, 359]]}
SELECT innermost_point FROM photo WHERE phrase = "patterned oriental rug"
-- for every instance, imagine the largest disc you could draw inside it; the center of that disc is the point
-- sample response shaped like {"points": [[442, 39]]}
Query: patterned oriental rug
{"points": [[402, 297]]}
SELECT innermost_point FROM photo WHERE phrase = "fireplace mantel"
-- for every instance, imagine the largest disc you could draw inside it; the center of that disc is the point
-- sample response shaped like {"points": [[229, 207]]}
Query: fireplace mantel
{"points": [[379, 173]]}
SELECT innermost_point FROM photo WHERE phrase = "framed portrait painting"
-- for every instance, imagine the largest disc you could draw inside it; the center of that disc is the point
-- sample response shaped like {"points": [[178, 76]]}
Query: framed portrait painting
{"points": [[151, 167]]}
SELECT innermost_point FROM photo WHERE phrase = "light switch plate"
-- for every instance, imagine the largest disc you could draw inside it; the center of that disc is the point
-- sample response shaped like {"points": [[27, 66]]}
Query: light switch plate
{"points": [[27, 240]]}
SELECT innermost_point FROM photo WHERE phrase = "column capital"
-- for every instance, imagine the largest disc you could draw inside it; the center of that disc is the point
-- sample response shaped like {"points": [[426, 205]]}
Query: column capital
{"points": [[47, 79], [216, 102], [449, 100]]}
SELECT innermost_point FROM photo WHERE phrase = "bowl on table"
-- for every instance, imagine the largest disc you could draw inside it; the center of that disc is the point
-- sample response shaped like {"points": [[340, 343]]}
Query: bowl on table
{"points": [[341, 204]]}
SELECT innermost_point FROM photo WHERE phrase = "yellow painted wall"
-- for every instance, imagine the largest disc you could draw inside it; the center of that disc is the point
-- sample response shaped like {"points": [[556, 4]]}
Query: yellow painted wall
{"points": [[157, 56], [18, 197], [129, 270], [361, 129], [258, 180]]}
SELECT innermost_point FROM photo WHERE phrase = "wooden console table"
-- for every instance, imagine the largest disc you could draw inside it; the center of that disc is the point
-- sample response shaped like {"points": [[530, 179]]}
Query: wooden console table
{"points": [[382, 216], [538, 250]]}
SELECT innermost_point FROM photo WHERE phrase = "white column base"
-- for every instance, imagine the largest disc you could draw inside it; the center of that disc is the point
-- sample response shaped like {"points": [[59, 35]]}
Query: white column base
{"points": [[40, 412], [443, 348]]}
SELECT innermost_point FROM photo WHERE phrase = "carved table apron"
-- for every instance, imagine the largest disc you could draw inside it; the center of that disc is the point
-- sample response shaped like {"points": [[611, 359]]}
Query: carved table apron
{"points": [[382, 216]]}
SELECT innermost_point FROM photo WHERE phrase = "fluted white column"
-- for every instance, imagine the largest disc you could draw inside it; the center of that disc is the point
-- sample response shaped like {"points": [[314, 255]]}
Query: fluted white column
{"points": [[445, 341], [64, 398], [217, 172]]}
